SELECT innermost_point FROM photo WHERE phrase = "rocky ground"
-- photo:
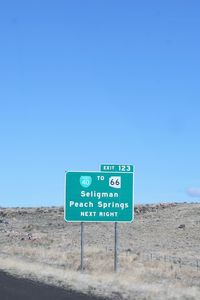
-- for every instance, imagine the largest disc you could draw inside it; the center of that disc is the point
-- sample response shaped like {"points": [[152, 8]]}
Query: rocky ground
{"points": [[159, 255]]}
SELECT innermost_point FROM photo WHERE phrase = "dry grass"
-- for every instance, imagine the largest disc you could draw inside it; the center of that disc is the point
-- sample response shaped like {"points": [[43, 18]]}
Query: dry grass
{"points": [[126, 285]]}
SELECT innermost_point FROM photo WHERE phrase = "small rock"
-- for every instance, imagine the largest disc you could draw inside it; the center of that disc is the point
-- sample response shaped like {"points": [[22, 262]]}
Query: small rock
{"points": [[128, 250], [181, 226]]}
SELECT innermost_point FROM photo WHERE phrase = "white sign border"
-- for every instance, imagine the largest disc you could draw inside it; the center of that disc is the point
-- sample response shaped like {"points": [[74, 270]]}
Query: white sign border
{"points": [[133, 198]]}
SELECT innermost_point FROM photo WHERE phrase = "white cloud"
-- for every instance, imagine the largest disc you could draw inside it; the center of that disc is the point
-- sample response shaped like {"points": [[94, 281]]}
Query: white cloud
{"points": [[193, 192]]}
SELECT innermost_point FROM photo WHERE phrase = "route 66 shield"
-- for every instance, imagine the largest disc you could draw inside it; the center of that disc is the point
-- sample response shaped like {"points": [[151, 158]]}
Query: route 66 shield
{"points": [[85, 181], [115, 182]]}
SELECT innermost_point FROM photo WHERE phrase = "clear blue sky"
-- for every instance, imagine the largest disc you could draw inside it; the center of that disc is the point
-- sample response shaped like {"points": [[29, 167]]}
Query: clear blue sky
{"points": [[89, 82]]}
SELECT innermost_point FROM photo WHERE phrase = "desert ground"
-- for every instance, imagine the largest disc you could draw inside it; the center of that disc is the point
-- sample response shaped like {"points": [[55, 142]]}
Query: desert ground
{"points": [[159, 253]]}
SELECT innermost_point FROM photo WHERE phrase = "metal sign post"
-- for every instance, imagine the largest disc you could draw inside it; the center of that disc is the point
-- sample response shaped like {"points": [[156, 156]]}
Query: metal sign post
{"points": [[116, 249], [82, 245]]}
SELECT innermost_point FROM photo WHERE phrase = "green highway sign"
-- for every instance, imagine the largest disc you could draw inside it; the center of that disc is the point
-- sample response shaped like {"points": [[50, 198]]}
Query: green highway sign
{"points": [[117, 168], [99, 196]]}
